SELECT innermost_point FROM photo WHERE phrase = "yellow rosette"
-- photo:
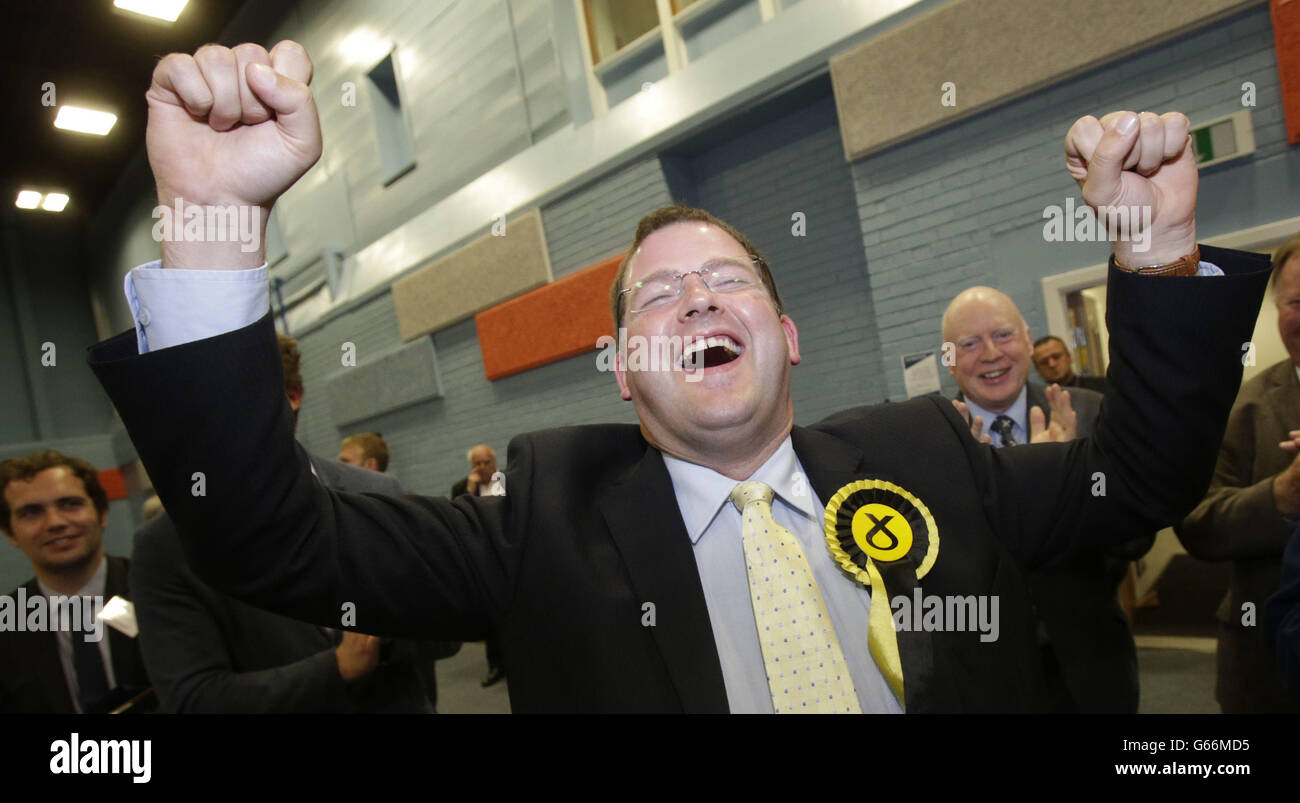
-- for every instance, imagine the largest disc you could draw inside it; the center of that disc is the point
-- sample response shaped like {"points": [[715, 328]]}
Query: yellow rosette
{"points": [[872, 522]]}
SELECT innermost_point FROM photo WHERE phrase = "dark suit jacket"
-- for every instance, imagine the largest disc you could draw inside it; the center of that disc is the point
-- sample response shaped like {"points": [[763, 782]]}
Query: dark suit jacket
{"points": [[1089, 636], [1089, 650], [1238, 521], [1097, 384], [31, 675], [590, 532], [208, 653]]}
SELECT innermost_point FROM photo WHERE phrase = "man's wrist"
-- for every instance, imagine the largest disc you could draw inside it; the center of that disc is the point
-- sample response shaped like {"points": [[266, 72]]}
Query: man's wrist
{"points": [[1168, 248], [210, 235]]}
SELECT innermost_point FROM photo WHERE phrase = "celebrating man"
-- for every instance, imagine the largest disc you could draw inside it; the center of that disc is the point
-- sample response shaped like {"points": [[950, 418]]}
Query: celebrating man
{"points": [[650, 567]]}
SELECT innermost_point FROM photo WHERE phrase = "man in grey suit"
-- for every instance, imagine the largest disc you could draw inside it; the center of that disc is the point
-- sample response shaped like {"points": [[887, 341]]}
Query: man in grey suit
{"points": [[208, 653], [1256, 483], [1086, 641]]}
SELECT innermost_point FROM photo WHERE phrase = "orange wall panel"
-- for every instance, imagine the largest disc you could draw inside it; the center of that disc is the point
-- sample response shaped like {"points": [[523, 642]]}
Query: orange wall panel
{"points": [[1286, 38], [560, 320], [114, 483]]}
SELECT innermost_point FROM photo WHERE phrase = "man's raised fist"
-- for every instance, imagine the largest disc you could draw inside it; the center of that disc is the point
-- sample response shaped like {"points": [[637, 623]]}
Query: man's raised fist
{"points": [[229, 126], [1143, 166]]}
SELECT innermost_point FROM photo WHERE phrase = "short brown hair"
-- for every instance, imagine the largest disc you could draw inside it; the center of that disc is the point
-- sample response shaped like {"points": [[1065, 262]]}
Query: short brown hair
{"points": [[290, 359], [372, 445], [23, 469], [677, 213], [1284, 252]]}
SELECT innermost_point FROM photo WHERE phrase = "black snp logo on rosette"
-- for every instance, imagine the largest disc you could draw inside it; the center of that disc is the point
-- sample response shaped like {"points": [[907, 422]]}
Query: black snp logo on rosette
{"points": [[885, 538], [874, 523]]}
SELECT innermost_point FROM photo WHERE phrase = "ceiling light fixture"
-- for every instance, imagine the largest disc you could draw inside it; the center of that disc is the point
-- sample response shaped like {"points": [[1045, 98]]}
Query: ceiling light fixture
{"points": [[86, 121], [166, 10], [54, 202], [28, 199]]}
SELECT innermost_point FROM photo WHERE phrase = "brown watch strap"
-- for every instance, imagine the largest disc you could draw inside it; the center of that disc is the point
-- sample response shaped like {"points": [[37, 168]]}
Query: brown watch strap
{"points": [[1186, 266]]}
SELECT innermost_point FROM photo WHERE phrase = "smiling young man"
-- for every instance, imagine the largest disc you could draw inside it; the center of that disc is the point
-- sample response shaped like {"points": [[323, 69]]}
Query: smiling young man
{"points": [[618, 570], [54, 510]]}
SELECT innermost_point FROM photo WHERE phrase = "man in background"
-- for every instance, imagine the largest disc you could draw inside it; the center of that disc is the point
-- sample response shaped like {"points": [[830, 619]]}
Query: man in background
{"points": [[1255, 485], [1087, 645], [208, 653], [1055, 365], [53, 508], [482, 465], [365, 450]]}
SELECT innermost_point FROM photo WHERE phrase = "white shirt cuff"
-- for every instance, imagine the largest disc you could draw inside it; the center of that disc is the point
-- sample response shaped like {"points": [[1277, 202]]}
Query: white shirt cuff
{"points": [[172, 307]]}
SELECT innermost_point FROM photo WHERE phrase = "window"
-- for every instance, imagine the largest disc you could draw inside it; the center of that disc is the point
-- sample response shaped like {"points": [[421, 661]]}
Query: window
{"points": [[615, 24], [396, 157]]}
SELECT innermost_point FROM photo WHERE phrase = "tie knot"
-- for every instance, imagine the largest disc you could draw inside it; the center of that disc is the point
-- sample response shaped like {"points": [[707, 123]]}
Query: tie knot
{"points": [[748, 492], [1002, 425]]}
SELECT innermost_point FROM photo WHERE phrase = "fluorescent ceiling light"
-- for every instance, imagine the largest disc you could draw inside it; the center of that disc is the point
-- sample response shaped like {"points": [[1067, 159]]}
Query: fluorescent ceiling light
{"points": [[167, 10], [364, 46], [87, 121], [28, 199], [54, 202]]}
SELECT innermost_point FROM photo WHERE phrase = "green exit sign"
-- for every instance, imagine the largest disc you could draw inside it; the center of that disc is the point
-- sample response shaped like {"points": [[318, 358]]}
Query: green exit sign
{"points": [[1223, 139]]}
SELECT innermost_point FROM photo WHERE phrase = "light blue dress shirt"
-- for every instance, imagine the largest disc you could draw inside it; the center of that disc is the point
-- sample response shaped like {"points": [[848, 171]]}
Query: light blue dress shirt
{"points": [[714, 527]]}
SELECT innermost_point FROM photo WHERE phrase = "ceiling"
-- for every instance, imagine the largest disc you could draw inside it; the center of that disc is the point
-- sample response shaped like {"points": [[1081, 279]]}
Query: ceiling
{"points": [[95, 56]]}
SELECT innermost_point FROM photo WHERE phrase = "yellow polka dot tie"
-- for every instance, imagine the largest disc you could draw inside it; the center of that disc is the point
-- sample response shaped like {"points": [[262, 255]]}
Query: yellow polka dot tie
{"points": [[806, 671]]}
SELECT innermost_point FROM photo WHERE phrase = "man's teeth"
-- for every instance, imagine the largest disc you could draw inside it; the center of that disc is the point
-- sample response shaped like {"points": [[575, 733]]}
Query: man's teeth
{"points": [[995, 374], [694, 352]]}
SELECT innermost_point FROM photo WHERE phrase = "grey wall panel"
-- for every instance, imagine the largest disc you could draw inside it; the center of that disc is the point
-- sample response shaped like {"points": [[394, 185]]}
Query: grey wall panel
{"points": [[970, 44], [390, 382], [487, 271]]}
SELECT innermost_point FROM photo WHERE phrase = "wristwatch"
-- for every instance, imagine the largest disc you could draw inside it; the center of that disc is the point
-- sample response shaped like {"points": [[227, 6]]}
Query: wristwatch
{"points": [[1185, 266]]}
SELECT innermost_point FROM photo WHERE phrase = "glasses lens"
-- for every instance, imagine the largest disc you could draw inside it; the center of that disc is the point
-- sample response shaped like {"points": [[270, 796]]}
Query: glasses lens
{"points": [[655, 293], [727, 277]]}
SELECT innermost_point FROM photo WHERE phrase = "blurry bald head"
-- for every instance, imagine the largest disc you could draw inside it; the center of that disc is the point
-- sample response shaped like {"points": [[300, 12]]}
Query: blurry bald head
{"points": [[993, 347]]}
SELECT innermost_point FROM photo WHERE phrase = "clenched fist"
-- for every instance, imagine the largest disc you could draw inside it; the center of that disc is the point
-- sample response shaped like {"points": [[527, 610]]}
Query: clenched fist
{"points": [[230, 126], [1139, 161]]}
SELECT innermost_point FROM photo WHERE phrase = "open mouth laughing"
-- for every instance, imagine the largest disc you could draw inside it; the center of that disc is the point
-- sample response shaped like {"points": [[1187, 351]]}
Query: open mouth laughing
{"points": [[710, 352]]}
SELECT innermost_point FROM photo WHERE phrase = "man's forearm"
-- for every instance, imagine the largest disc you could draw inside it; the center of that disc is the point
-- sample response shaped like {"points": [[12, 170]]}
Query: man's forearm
{"points": [[1235, 523]]}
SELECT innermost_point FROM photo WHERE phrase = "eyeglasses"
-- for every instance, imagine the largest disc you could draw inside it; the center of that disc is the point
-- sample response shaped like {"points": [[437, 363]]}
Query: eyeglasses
{"points": [[720, 275]]}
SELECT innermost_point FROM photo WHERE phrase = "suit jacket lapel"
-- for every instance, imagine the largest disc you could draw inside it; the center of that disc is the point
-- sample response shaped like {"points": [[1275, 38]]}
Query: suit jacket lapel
{"points": [[1036, 396], [128, 666], [661, 561], [831, 464], [46, 666]]}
